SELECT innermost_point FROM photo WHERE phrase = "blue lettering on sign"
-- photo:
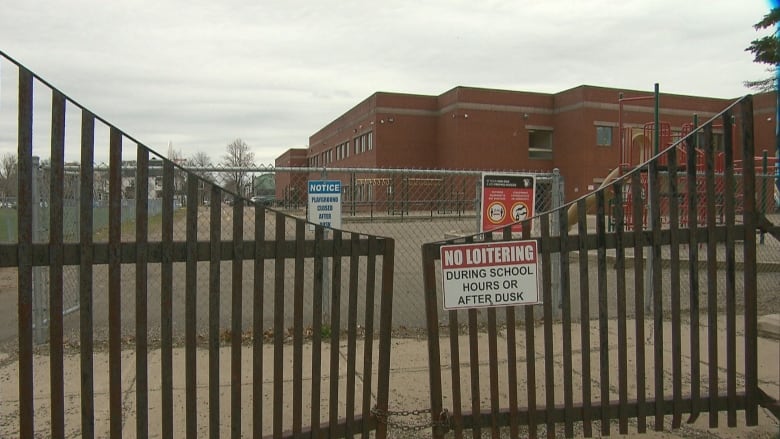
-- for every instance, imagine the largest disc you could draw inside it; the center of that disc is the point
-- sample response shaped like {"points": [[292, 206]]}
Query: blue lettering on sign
{"points": [[325, 187]]}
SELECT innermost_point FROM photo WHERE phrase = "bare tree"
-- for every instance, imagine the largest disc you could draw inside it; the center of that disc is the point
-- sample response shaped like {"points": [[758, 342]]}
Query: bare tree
{"points": [[238, 156], [201, 160], [8, 172]]}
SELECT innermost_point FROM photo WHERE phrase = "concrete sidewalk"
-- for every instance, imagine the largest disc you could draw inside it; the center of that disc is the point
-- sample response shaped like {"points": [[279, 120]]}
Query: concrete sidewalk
{"points": [[408, 383]]}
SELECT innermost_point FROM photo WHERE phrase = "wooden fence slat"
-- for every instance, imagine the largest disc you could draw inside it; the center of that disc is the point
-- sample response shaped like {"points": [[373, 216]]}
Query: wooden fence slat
{"points": [[25, 238], [434, 349], [385, 328], [115, 283], [712, 280], [620, 274], [582, 243], [549, 353], [654, 197], [352, 298], [565, 285], [476, 409], [530, 354], [731, 301], [316, 356], [278, 376], [601, 267], [237, 329], [191, 308], [639, 296], [300, 236], [492, 359], [56, 195], [141, 292], [511, 355], [368, 346], [335, 332], [749, 247], [166, 303], [493, 373], [692, 197], [457, 397], [674, 269], [215, 236], [473, 337], [258, 306], [86, 185]]}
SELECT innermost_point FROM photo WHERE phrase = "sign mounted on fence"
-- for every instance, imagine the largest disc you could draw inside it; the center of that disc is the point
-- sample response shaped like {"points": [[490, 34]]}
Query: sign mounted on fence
{"points": [[489, 274], [506, 198], [325, 203]]}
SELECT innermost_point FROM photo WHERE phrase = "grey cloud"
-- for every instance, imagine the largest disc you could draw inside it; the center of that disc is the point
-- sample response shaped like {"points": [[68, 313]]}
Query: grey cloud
{"points": [[201, 73]]}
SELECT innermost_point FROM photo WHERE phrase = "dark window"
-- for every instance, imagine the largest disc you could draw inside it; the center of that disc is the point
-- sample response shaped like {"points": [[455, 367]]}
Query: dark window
{"points": [[603, 136], [540, 145]]}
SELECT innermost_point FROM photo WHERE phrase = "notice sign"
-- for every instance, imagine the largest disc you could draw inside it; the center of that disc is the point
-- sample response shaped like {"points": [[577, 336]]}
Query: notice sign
{"points": [[506, 198], [325, 203], [489, 274]]}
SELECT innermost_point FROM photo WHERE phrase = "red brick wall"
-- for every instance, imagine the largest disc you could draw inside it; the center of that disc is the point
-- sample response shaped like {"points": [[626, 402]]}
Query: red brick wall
{"points": [[474, 128]]}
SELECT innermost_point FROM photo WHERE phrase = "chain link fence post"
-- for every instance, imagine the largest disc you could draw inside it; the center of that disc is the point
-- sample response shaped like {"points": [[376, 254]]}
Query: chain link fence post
{"points": [[478, 204], [326, 287], [557, 200]]}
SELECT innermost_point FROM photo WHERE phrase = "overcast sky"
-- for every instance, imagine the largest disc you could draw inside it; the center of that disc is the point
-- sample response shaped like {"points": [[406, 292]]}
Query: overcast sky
{"points": [[202, 73]]}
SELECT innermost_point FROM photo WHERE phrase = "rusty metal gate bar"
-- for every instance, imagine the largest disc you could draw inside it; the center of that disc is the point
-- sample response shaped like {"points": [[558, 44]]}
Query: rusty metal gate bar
{"points": [[675, 185]]}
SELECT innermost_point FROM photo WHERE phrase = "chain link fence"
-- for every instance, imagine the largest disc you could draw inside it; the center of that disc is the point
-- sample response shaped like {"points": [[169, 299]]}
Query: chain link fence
{"points": [[412, 206]]}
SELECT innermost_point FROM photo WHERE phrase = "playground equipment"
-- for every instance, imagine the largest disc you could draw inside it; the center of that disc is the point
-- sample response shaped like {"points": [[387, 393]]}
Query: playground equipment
{"points": [[573, 213], [638, 144]]}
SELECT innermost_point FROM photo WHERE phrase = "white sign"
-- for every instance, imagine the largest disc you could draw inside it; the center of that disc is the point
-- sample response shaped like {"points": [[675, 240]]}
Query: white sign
{"points": [[490, 274], [325, 203]]}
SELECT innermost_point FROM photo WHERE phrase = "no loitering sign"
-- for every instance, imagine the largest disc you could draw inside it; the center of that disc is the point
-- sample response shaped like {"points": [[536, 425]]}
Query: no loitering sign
{"points": [[490, 274]]}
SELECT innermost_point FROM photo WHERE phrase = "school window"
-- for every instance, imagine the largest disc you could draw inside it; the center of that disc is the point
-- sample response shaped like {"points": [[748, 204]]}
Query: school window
{"points": [[370, 140], [603, 136], [540, 145]]}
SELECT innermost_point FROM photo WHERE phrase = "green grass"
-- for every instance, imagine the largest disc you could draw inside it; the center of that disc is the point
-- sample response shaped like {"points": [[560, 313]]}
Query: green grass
{"points": [[8, 225], [325, 331]]}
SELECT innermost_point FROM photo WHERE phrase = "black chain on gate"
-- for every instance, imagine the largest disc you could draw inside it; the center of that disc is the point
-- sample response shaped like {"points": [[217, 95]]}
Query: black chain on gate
{"points": [[385, 416]]}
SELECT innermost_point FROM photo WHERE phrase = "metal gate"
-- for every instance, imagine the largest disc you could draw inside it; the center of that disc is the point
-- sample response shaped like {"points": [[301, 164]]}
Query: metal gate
{"points": [[644, 328], [204, 317]]}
